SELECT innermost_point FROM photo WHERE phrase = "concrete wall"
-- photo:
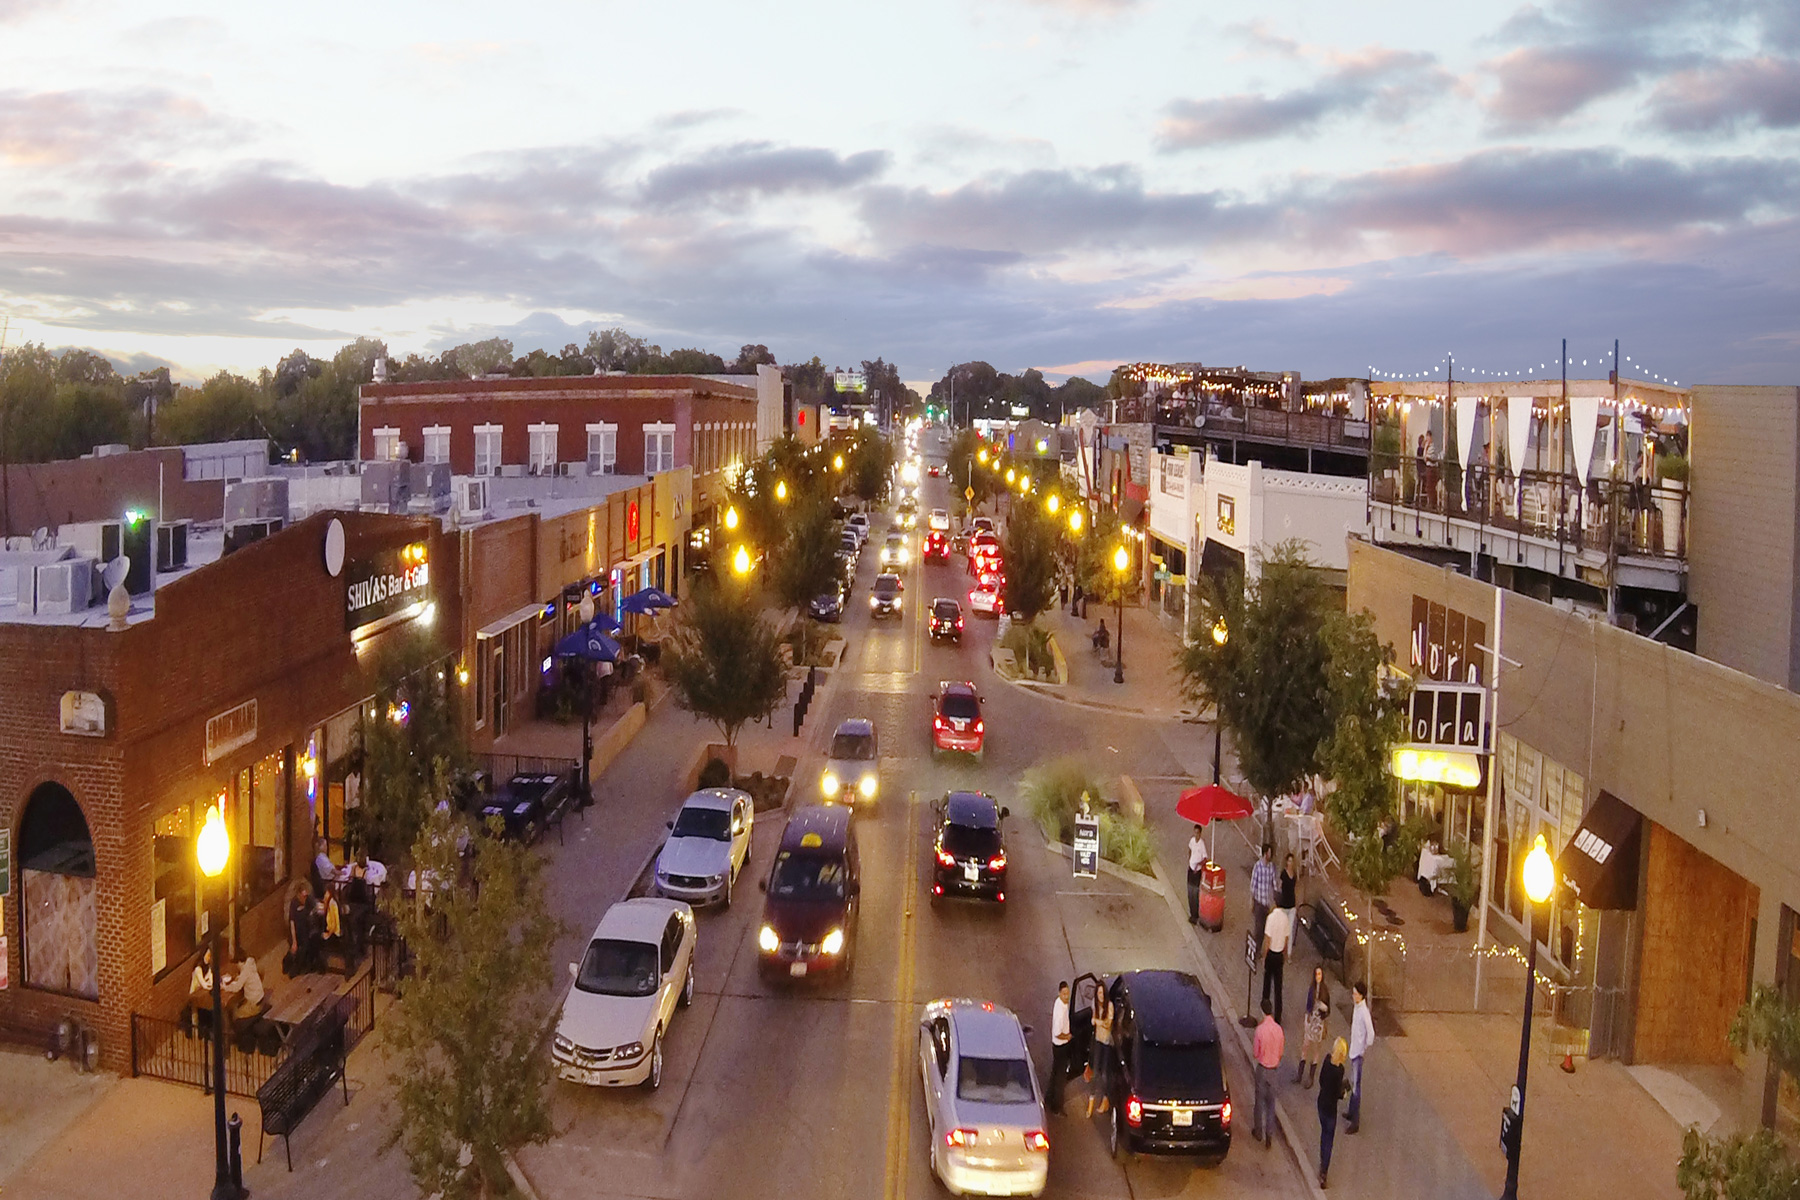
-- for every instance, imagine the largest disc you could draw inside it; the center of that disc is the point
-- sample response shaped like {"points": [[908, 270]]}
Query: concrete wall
{"points": [[1274, 506], [1745, 454]]}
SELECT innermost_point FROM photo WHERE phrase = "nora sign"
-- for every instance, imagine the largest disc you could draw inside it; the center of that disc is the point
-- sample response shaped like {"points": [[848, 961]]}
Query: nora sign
{"points": [[388, 583]]}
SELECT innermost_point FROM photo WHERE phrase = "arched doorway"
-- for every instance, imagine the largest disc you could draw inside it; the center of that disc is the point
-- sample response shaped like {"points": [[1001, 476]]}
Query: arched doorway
{"points": [[56, 875]]}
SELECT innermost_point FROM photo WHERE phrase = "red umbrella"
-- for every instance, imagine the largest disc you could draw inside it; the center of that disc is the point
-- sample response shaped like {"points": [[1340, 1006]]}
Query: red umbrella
{"points": [[1211, 803]]}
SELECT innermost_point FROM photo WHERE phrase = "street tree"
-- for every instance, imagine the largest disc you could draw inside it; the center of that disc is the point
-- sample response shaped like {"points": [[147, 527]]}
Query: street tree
{"points": [[868, 463], [1756, 1166], [724, 660], [1029, 547], [803, 564], [751, 356], [469, 1071], [1100, 579], [410, 749], [963, 465]]}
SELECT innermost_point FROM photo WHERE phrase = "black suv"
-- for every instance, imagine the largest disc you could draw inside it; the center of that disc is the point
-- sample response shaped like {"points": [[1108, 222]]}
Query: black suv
{"points": [[884, 598], [970, 858], [1168, 1093], [946, 620]]}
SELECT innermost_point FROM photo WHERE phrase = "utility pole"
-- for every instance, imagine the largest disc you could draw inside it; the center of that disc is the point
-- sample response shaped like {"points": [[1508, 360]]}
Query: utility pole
{"points": [[1612, 503]]}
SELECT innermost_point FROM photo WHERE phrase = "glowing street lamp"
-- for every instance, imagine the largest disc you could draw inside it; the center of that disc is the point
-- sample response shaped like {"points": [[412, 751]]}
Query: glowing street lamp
{"points": [[212, 853], [1539, 878], [1121, 563], [1051, 503], [731, 517], [1075, 521], [781, 490], [837, 463], [1220, 634], [1011, 475], [740, 562], [981, 456]]}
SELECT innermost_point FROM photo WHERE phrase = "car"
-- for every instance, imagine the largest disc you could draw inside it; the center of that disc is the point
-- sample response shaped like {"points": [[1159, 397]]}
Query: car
{"points": [[946, 619], [937, 546], [813, 894], [968, 855], [956, 722], [848, 544], [853, 764], [985, 598], [983, 1103], [894, 551], [939, 520], [859, 525], [982, 524], [1168, 1092], [908, 520], [638, 968], [709, 843], [885, 599], [827, 606], [935, 470]]}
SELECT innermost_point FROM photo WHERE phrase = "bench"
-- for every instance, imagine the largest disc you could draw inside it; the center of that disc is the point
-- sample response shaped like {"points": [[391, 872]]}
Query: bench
{"points": [[1328, 933], [315, 1061], [570, 793]]}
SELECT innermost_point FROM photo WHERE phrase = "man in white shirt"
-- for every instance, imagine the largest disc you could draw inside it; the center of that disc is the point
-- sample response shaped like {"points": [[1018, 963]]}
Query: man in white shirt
{"points": [[1362, 1036], [1196, 861], [251, 996], [1278, 934], [1059, 1046]]}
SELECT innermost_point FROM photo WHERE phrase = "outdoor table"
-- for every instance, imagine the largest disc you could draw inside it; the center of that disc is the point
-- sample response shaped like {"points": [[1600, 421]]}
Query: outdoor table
{"points": [[300, 998]]}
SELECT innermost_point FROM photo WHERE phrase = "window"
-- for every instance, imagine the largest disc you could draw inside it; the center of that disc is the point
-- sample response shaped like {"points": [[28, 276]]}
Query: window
{"points": [[487, 449], [387, 444], [603, 448], [175, 909], [57, 877], [543, 449], [437, 443], [659, 448], [258, 820]]}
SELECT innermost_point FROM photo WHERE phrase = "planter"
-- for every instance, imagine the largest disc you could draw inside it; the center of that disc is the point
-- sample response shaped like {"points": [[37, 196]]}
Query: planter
{"points": [[1673, 501], [1459, 917]]}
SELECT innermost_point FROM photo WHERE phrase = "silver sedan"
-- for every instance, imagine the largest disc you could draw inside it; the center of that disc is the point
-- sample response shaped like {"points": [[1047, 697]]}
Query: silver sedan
{"points": [[982, 1100]]}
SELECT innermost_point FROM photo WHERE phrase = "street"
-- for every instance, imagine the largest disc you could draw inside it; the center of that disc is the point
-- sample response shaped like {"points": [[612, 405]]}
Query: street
{"points": [[814, 1090]]}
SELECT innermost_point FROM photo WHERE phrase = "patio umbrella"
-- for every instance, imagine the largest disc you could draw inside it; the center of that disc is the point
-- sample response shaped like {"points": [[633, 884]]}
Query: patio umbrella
{"points": [[1211, 802], [647, 600], [590, 642]]}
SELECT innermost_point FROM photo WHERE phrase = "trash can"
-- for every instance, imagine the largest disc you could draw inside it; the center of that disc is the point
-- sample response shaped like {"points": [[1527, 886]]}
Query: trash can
{"points": [[1212, 895]]}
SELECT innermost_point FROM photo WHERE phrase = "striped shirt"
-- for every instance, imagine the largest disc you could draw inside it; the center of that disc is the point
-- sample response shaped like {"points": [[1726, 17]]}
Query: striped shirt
{"points": [[1262, 883]]}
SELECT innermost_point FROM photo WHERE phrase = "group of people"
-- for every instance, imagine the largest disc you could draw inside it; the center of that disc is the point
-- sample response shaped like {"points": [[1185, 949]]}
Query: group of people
{"points": [[336, 912], [241, 991], [1100, 1064]]}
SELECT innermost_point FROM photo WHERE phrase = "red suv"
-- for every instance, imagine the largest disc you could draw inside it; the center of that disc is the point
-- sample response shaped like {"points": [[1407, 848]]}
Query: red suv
{"points": [[956, 719]]}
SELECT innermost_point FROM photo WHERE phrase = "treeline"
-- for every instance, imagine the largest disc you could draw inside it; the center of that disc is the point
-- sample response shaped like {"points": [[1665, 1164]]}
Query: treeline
{"points": [[980, 391]]}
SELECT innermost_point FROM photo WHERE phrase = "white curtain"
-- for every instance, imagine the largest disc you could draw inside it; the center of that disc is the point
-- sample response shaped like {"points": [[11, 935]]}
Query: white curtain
{"points": [[1466, 408], [1518, 431], [1584, 417]]}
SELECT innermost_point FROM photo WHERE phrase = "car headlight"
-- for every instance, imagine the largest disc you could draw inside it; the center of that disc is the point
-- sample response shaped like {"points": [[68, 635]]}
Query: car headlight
{"points": [[629, 1050], [898, 601], [768, 940], [874, 601], [563, 1044], [868, 785], [829, 784], [834, 942], [714, 880]]}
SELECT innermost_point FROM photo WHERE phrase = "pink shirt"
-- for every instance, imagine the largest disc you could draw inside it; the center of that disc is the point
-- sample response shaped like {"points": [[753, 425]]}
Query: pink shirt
{"points": [[1268, 1044]]}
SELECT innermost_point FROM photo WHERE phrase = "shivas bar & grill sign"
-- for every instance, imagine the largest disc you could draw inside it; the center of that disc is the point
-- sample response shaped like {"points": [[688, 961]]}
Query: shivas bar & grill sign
{"points": [[384, 584]]}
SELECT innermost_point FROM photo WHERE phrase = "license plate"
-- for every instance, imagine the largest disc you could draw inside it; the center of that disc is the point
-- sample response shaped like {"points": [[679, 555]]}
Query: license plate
{"points": [[971, 872], [797, 969], [1181, 1116]]}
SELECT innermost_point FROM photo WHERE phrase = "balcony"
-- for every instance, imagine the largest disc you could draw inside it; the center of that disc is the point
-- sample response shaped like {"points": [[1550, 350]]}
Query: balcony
{"points": [[1313, 430], [1546, 521]]}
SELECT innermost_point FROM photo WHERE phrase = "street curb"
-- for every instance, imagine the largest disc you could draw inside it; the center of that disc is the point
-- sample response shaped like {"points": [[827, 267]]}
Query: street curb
{"points": [[1149, 883], [1038, 687], [1209, 976]]}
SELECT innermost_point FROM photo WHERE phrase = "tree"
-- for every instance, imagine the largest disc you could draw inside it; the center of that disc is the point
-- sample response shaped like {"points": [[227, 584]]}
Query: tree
{"points": [[812, 381], [972, 385], [750, 357], [684, 362], [962, 464], [724, 659], [1758, 1166], [884, 384], [475, 359], [869, 461], [224, 408], [615, 350], [411, 749], [804, 564], [1094, 567], [1078, 393], [1029, 549], [470, 1071]]}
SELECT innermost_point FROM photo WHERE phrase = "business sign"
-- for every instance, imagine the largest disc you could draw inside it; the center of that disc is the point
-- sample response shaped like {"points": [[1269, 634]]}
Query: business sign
{"points": [[1448, 714], [1227, 519], [231, 730], [385, 584], [1446, 644], [1087, 847], [1174, 474]]}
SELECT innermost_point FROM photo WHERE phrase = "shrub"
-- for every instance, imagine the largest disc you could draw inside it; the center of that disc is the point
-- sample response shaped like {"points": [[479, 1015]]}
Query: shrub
{"points": [[715, 774], [1030, 648], [1126, 841], [1052, 794]]}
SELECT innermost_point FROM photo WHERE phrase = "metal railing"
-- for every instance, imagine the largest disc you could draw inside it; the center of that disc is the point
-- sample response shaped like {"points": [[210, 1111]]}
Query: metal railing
{"points": [[1642, 520], [502, 767], [1319, 430]]}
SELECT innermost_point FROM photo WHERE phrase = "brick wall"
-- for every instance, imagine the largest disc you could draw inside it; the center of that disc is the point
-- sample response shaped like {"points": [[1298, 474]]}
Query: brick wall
{"points": [[101, 489]]}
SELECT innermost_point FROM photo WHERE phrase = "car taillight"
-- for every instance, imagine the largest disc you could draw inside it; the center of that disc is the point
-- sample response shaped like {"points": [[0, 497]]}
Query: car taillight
{"points": [[1134, 1111], [945, 858], [960, 1137], [959, 622], [938, 723], [1035, 1140], [978, 725], [998, 862], [1225, 1114]]}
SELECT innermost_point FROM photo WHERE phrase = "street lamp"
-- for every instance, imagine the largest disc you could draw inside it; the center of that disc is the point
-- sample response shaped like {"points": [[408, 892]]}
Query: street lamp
{"points": [[1011, 476], [781, 490], [1121, 564], [1539, 878], [981, 456], [212, 850], [740, 562], [731, 517], [837, 462], [1075, 521], [1051, 503]]}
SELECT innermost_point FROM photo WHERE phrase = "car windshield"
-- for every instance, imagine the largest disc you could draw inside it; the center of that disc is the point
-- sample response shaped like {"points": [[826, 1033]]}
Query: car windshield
{"points": [[993, 1080], [858, 746], [887, 585], [696, 822], [1178, 1072], [946, 609], [960, 704], [967, 841], [807, 877], [615, 968]]}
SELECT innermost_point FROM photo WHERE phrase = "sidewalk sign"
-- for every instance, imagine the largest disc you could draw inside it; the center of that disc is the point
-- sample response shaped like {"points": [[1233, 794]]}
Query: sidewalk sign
{"points": [[1087, 846]]}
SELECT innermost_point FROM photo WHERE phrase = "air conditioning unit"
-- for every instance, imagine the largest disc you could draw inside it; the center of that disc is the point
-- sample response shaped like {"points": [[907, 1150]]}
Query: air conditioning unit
{"points": [[566, 469], [171, 545], [241, 533], [139, 548], [65, 587], [512, 470], [472, 496], [13, 580], [100, 540]]}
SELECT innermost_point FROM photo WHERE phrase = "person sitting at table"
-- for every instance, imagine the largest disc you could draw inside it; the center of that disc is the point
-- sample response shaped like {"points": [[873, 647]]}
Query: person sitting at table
{"points": [[251, 992], [200, 989], [302, 938], [324, 871]]}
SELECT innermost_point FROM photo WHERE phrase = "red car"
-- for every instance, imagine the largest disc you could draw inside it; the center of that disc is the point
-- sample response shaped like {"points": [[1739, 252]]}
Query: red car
{"points": [[956, 719], [937, 545], [934, 470]]}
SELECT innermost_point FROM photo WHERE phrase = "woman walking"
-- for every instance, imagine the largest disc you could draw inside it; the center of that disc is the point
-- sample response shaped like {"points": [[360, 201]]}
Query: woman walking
{"points": [[1312, 1039], [1100, 1058], [1331, 1090]]}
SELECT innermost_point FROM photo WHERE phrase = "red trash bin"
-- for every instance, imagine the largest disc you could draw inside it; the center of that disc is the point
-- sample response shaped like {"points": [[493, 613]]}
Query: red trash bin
{"points": [[1212, 895]]}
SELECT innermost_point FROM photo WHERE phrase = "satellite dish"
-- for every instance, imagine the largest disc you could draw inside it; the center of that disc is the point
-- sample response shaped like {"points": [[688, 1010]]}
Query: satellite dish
{"points": [[40, 537], [334, 548], [115, 572]]}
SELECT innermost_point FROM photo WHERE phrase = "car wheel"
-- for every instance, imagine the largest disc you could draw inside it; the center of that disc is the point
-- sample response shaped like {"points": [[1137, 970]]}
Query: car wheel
{"points": [[1118, 1141], [730, 880], [654, 1079], [687, 987]]}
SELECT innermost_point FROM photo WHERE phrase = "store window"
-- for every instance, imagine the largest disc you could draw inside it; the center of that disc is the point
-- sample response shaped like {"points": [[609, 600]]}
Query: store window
{"points": [[543, 449], [175, 909], [603, 448], [57, 878], [659, 448], [437, 443], [259, 819], [487, 449]]}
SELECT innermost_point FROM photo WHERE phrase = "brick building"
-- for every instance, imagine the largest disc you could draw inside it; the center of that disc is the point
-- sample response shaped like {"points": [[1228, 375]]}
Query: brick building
{"points": [[239, 680], [586, 425]]}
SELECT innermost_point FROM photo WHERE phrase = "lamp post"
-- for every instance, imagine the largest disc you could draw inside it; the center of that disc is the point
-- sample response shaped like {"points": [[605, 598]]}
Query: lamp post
{"points": [[212, 849], [740, 562], [1121, 564], [586, 612], [781, 490], [1220, 635], [1539, 879]]}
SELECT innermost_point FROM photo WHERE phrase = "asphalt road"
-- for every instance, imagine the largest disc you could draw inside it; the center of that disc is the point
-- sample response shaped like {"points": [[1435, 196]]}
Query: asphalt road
{"points": [[814, 1091]]}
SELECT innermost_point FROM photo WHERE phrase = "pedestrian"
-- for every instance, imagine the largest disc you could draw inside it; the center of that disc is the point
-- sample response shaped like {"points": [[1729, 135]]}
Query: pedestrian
{"points": [[1062, 593], [1262, 890], [1075, 601], [1331, 1090], [1312, 1037], [1196, 867], [1287, 887], [1278, 935], [1059, 1046], [1362, 1036], [1266, 1048], [1099, 1072]]}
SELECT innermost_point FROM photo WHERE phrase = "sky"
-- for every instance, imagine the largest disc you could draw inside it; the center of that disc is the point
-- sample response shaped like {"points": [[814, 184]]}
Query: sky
{"points": [[1060, 184]]}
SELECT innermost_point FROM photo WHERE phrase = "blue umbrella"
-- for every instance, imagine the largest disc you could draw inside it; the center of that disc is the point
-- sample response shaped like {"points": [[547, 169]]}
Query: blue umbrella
{"points": [[647, 600], [589, 642], [604, 623]]}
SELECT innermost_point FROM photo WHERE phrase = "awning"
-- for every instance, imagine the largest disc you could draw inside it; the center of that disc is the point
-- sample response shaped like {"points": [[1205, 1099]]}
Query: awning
{"points": [[496, 628], [1131, 511], [1600, 863]]}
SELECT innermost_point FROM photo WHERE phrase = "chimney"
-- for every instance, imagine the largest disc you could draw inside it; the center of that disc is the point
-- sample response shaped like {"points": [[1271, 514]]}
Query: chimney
{"points": [[381, 374]]}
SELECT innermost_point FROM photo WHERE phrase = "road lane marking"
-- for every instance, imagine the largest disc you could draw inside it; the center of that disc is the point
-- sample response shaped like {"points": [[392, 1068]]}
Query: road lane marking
{"points": [[899, 1132]]}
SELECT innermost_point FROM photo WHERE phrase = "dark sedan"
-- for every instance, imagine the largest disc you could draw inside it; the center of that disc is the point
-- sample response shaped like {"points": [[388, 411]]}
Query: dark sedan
{"points": [[827, 606], [969, 855]]}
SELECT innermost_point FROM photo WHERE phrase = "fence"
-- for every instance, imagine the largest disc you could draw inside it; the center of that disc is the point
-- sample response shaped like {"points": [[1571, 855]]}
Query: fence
{"points": [[502, 767], [170, 1051]]}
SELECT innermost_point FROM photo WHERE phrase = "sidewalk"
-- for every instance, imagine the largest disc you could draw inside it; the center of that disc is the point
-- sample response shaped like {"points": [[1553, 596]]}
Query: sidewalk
{"points": [[1152, 686]]}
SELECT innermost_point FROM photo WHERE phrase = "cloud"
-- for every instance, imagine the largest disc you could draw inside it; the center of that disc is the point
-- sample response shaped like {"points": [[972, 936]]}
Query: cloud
{"points": [[1539, 86], [733, 173], [1738, 93], [1389, 83], [54, 129]]}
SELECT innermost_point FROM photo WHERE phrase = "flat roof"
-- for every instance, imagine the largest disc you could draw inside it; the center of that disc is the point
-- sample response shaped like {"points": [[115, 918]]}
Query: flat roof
{"points": [[550, 385]]}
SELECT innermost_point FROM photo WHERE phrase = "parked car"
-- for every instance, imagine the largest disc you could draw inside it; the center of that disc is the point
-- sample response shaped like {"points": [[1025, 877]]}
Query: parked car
{"points": [[968, 854], [848, 543], [827, 606], [853, 764], [956, 722], [983, 1104], [935, 470], [859, 525], [847, 566], [982, 524], [946, 619], [637, 969], [885, 599], [939, 521], [709, 843], [813, 889], [1168, 1092]]}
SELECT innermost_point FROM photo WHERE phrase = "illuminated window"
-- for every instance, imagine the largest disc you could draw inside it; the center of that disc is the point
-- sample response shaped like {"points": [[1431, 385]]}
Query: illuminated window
{"points": [[659, 448]]}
